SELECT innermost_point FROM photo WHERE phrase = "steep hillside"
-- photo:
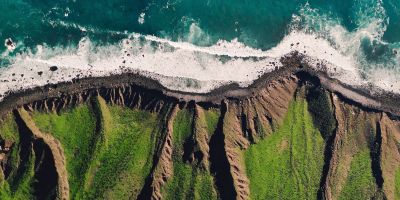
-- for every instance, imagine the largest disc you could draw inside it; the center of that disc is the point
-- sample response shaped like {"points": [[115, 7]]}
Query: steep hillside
{"points": [[291, 137]]}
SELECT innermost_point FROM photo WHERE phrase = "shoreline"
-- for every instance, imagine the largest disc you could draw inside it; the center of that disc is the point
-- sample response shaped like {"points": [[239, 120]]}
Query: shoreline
{"points": [[384, 101]]}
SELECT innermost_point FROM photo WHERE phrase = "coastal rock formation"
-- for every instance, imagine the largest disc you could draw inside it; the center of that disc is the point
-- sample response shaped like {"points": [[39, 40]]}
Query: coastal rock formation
{"points": [[291, 134], [56, 151]]}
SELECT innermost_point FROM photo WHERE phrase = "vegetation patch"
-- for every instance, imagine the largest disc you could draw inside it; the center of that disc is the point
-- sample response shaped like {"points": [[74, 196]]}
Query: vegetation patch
{"points": [[320, 106], [22, 188], [19, 182], [75, 129], [9, 129], [360, 183], [288, 164], [211, 117], [188, 181], [109, 161], [123, 157], [397, 184]]}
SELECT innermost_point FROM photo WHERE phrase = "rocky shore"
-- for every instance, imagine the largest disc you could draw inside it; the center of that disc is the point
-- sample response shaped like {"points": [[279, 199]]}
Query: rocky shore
{"points": [[371, 98]]}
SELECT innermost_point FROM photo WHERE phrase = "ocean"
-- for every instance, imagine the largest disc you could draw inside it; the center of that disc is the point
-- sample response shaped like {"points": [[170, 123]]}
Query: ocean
{"points": [[199, 45]]}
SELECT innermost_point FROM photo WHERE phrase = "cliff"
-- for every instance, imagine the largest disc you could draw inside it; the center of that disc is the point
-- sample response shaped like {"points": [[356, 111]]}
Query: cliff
{"points": [[294, 133]]}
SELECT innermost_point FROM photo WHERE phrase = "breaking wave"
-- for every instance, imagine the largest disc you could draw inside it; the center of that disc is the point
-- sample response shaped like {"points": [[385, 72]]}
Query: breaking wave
{"points": [[357, 57]]}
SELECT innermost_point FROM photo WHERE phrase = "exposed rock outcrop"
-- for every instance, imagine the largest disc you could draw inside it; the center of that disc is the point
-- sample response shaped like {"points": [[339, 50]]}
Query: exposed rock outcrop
{"points": [[164, 169], [390, 153]]}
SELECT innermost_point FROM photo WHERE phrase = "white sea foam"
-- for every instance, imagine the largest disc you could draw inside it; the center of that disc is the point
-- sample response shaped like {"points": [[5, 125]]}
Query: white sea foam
{"points": [[198, 69], [141, 18], [186, 67], [371, 25]]}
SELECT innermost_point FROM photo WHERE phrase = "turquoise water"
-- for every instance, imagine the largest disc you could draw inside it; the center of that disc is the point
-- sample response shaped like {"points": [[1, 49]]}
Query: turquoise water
{"points": [[368, 31]]}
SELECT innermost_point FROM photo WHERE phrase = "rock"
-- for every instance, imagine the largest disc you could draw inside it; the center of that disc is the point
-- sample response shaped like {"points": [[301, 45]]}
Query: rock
{"points": [[9, 44], [8, 143], [53, 68]]}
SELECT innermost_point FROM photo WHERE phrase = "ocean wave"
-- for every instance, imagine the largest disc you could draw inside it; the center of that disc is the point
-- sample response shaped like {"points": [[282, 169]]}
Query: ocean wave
{"points": [[183, 66], [371, 56]]}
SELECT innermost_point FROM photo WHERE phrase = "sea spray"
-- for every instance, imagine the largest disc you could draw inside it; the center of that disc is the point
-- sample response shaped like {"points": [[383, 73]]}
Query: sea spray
{"points": [[192, 56]]}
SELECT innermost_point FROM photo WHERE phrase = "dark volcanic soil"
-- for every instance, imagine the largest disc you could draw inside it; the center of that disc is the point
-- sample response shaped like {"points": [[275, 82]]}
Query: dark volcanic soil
{"points": [[387, 102]]}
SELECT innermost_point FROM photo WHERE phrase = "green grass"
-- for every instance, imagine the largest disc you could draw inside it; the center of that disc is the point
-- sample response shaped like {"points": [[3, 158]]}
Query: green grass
{"points": [[360, 183], [188, 181], [17, 186], [75, 129], [211, 117], [110, 164], [288, 164], [113, 162], [124, 157], [204, 186], [320, 106], [9, 131], [180, 185], [397, 184], [23, 188]]}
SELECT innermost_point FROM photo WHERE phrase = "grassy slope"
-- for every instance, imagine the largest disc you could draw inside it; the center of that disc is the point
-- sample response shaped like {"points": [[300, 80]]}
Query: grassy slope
{"points": [[204, 184], [354, 177], [17, 186], [211, 117], [111, 164], [189, 181], [124, 158], [114, 163], [9, 131], [288, 164], [320, 106], [22, 189], [75, 129], [180, 185], [360, 183], [397, 184]]}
